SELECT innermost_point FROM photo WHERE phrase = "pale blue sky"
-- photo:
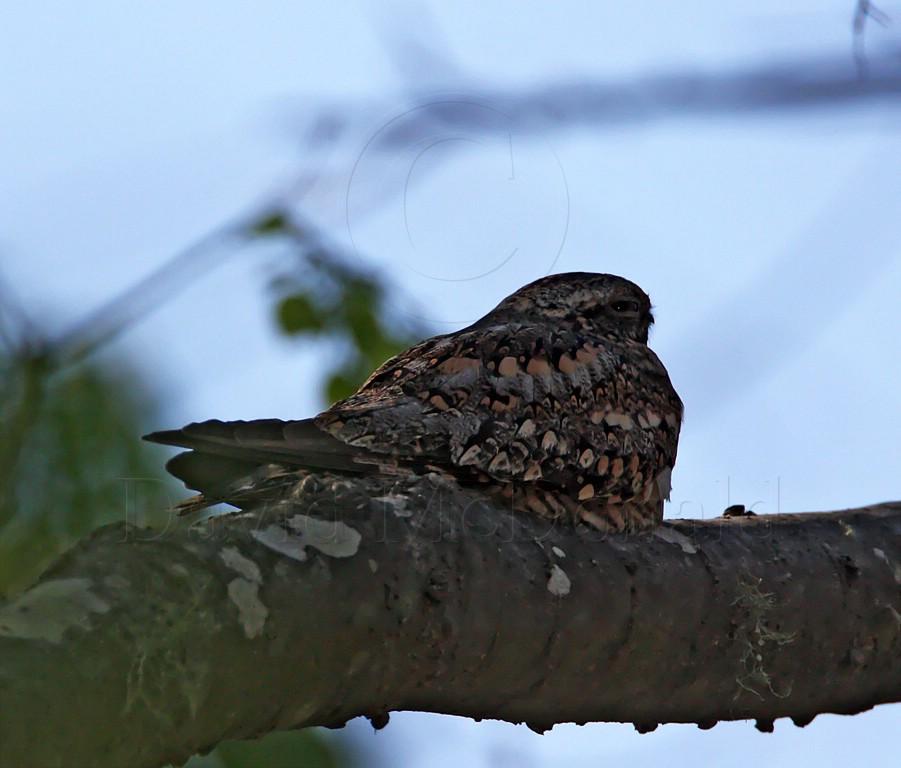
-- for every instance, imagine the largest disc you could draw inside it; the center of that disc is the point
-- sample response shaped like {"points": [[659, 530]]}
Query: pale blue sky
{"points": [[770, 243]]}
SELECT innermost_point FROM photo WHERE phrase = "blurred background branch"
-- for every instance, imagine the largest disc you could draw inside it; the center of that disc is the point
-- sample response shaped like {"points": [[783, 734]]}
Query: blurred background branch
{"points": [[865, 11]]}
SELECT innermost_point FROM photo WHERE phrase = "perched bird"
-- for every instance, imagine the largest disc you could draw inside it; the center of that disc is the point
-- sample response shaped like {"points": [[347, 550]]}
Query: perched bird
{"points": [[552, 403]]}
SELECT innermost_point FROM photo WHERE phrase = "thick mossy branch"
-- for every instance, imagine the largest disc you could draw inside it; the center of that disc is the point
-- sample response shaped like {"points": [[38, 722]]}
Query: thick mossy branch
{"points": [[141, 648]]}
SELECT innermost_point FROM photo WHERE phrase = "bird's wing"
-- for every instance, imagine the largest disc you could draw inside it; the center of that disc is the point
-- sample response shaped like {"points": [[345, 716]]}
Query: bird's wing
{"points": [[519, 403]]}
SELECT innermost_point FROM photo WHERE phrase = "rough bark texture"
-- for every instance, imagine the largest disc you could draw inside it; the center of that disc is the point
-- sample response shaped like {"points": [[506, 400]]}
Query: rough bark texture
{"points": [[142, 648]]}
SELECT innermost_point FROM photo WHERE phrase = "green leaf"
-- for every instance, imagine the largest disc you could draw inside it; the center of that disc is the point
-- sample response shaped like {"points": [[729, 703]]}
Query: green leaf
{"points": [[384, 347], [300, 314], [350, 307], [341, 384], [275, 223]]}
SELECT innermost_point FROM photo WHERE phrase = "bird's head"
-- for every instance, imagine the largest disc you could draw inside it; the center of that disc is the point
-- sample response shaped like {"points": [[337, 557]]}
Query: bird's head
{"points": [[598, 304]]}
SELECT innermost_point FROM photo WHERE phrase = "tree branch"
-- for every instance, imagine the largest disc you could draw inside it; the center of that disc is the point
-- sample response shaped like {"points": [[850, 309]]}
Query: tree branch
{"points": [[361, 597]]}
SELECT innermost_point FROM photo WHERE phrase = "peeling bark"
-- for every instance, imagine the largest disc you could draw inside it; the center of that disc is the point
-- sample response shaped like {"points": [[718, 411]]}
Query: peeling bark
{"points": [[140, 648]]}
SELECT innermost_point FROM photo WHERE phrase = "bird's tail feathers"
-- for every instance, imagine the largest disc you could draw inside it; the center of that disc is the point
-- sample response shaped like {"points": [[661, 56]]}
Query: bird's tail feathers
{"points": [[233, 459]]}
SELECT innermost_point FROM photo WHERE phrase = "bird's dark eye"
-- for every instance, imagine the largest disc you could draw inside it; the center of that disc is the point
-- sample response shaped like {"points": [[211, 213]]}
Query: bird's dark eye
{"points": [[625, 306]]}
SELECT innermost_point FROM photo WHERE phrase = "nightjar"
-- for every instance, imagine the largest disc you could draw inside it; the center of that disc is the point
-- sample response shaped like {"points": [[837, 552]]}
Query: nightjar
{"points": [[552, 403]]}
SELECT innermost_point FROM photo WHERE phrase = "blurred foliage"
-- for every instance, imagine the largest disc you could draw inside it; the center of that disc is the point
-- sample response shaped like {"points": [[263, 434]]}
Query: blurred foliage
{"points": [[70, 458], [328, 297]]}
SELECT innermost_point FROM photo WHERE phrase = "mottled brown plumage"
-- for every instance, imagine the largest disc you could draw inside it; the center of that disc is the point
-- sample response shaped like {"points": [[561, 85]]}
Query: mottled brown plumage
{"points": [[551, 403]]}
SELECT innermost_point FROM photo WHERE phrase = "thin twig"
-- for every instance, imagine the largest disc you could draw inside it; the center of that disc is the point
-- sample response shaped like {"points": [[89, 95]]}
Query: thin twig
{"points": [[15, 324], [122, 311], [863, 11]]}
